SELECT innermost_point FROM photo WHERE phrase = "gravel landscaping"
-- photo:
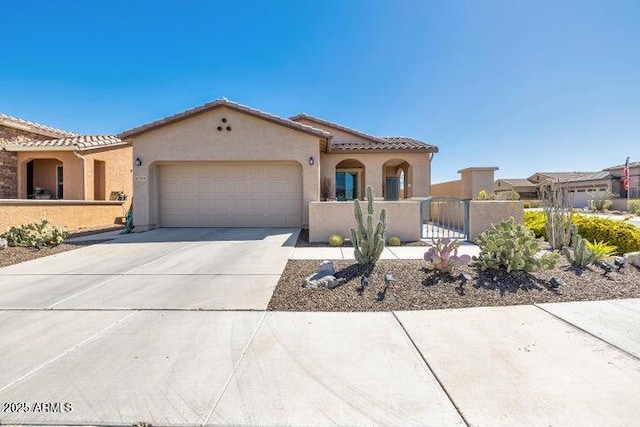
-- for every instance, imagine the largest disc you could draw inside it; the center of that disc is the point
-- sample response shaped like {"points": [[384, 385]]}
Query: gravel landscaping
{"points": [[418, 288], [16, 255]]}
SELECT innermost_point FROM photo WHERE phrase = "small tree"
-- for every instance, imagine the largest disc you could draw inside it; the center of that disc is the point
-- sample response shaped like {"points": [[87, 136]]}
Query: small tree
{"points": [[367, 242], [326, 188], [601, 199]]}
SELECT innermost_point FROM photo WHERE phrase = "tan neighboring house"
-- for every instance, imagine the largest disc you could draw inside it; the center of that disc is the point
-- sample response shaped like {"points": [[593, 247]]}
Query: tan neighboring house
{"points": [[525, 188], [634, 180], [223, 164], [66, 167], [14, 130]]}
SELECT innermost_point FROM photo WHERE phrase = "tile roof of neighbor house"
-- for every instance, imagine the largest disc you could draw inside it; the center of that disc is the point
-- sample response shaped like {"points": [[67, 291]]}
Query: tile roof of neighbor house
{"points": [[33, 127], [517, 182], [226, 103], [592, 177], [387, 143], [79, 142], [563, 176], [631, 165]]}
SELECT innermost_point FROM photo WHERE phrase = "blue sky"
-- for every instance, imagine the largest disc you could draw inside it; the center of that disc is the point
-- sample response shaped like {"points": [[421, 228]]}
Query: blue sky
{"points": [[523, 85]]}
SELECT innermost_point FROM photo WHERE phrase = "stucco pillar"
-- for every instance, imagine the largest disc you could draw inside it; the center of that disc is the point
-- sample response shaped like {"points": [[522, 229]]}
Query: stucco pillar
{"points": [[474, 179], [374, 177]]}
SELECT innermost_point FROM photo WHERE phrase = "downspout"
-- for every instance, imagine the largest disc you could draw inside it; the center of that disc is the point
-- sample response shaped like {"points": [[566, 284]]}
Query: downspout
{"points": [[84, 174]]}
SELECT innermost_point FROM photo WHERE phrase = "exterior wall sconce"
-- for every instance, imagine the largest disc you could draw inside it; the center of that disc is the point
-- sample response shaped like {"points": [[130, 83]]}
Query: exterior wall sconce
{"points": [[138, 161], [311, 161]]}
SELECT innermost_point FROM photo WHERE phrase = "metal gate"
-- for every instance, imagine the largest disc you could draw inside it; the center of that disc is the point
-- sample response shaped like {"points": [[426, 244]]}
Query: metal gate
{"points": [[444, 217]]}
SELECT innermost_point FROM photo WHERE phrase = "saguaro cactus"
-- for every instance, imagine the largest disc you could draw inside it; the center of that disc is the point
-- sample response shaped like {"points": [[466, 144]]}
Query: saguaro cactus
{"points": [[367, 242]]}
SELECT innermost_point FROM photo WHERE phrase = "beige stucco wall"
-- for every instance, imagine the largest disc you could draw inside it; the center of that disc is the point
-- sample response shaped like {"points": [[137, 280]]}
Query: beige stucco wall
{"points": [[73, 173], [447, 189], [486, 212], [72, 215], [474, 179], [197, 139], [118, 170], [327, 218], [419, 175]]}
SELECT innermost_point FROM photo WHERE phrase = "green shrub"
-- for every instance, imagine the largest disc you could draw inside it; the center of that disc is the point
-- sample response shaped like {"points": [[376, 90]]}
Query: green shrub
{"points": [[394, 241], [633, 206], [535, 221], [35, 235], [336, 240], [513, 247], [602, 250], [626, 237]]}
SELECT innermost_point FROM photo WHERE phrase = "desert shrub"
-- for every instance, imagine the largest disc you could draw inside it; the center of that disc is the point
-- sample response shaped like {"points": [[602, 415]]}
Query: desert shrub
{"points": [[513, 247], [633, 206], [444, 257], [394, 241], [601, 250], [35, 235], [535, 221], [482, 195], [336, 240], [626, 237], [508, 195], [601, 200]]}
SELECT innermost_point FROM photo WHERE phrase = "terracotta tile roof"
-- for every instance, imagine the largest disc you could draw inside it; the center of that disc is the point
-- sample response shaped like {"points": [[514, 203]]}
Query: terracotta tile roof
{"points": [[226, 103], [517, 182], [391, 143], [592, 177], [561, 176], [80, 142], [388, 143], [32, 127], [343, 128]]}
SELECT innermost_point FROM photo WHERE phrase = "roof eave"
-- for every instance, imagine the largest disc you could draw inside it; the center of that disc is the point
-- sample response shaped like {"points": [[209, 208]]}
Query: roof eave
{"points": [[17, 147]]}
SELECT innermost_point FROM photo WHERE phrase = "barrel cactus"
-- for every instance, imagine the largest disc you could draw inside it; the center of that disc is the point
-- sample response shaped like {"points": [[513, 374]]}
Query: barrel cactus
{"points": [[513, 247], [368, 242]]}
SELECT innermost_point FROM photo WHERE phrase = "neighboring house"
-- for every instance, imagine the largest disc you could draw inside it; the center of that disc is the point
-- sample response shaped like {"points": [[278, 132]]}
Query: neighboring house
{"points": [[228, 165], [81, 167], [634, 180], [525, 188], [14, 130]]}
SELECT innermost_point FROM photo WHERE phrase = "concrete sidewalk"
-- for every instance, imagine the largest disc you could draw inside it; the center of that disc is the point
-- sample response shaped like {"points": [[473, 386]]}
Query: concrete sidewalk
{"points": [[569, 364]]}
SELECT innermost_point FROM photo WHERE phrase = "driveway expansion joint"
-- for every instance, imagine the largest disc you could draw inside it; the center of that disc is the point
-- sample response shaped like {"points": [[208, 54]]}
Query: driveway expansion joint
{"points": [[424, 359], [573, 325]]}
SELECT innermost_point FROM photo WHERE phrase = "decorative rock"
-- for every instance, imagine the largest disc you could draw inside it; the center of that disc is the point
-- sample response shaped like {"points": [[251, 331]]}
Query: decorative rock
{"points": [[3, 243], [633, 258], [324, 277], [326, 268]]}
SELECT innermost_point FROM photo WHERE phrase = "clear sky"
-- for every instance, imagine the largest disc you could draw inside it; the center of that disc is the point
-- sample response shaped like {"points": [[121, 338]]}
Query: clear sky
{"points": [[523, 85]]}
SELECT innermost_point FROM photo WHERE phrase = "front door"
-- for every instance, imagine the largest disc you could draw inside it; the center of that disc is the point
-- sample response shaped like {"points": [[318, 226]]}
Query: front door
{"points": [[59, 183], [392, 187]]}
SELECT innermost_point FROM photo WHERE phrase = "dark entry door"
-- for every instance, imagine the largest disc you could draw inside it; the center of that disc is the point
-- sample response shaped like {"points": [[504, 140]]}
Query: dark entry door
{"points": [[59, 183], [30, 179], [392, 187]]}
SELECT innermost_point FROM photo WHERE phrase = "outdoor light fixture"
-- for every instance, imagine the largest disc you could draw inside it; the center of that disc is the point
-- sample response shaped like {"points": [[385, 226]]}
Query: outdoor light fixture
{"points": [[619, 262], [555, 282], [311, 161], [388, 278], [606, 267], [138, 161], [465, 277]]}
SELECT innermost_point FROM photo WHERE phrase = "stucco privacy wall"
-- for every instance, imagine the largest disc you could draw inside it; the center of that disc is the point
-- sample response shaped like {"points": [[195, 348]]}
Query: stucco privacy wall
{"points": [[486, 212], [327, 218], [447, 189], [72, 215], [419, 173], [196, 138]]}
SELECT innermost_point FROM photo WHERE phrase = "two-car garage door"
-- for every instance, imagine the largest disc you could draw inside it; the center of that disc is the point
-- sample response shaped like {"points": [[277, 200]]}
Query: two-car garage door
{"points": [[214, 194]]}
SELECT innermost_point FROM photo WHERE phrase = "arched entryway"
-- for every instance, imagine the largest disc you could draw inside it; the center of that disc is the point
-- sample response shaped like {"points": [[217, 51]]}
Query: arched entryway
{"points": [[397, 179], [349, 179], [42, 178]]}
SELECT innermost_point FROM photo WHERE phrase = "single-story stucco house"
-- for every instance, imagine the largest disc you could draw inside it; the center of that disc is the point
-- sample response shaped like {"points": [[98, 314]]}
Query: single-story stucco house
{"points": [[41, 162], [223, 164]]}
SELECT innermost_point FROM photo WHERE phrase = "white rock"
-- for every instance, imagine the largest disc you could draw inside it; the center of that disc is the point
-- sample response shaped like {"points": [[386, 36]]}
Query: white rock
{"points": [[3, 243], [633, 258], [326, 268]]}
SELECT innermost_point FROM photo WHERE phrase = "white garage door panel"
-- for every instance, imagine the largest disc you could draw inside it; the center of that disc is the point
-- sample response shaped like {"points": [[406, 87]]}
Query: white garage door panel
{"points": [[230, 195]]}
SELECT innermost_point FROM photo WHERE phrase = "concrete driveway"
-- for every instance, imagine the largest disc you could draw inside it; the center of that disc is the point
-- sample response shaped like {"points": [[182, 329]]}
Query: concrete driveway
{"points": [[160, 269]]}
